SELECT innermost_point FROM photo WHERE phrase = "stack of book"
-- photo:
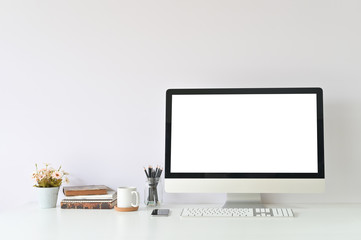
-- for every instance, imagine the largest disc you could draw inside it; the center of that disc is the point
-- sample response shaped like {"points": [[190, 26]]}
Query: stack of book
{"points": [[89, 197]]}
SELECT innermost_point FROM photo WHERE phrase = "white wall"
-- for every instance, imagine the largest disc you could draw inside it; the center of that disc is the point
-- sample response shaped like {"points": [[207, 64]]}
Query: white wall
{"points": [[82, 83]]}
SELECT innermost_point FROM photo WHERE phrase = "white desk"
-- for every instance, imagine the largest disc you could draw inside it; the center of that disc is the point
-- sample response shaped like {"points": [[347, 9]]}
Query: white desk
{"points": [[329, 221]]}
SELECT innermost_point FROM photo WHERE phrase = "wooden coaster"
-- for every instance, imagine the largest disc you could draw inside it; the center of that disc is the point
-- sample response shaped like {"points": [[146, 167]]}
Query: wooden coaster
{"points": [[129, 209]]}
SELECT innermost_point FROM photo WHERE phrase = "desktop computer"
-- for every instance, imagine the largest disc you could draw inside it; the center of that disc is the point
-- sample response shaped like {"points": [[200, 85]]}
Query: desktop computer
{"points": [[244, 142]]}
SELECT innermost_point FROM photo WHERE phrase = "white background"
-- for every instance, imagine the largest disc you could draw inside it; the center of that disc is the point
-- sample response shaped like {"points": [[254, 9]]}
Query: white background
{"points": [[249, 133], [82, 83]]}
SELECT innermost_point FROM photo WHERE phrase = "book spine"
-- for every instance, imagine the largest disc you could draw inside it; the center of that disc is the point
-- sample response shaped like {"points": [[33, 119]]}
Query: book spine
{"points": [[87, 205]]}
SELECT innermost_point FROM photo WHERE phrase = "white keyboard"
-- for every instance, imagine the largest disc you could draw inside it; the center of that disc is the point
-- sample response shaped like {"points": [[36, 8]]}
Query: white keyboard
{"points": [[237, 212]]}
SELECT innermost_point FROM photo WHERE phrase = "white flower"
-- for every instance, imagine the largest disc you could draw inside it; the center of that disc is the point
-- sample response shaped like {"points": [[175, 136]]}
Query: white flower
{"points": [[41, 176], [57, 175]]}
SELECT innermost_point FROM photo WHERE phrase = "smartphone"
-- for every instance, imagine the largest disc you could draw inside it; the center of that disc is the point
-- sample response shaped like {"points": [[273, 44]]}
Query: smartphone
{"points": [[160, 213]]}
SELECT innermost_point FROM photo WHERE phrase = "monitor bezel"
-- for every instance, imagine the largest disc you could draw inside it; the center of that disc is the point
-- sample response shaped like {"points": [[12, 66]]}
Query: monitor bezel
{"points": [[320, 132]]}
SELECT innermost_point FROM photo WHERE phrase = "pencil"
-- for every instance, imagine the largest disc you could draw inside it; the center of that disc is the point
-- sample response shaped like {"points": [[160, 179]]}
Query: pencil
{"points": [[146, 174], [150, 171], [160, 172], [156, 171]]}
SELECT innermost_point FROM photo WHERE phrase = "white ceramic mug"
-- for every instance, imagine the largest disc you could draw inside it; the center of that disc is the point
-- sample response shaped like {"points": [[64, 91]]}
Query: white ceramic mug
{"points": [[125, 197]]}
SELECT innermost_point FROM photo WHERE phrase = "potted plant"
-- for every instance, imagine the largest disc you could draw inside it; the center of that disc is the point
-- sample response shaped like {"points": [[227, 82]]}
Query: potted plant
{"points": [[48, 181]]}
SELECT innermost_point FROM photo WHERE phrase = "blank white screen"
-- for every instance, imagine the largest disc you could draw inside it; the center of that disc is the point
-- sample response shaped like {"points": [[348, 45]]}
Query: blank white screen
{"points": [[250, 133]]}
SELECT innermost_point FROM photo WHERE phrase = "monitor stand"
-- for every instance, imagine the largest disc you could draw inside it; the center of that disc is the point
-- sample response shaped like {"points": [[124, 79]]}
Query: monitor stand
{"points": [[243, 200]]}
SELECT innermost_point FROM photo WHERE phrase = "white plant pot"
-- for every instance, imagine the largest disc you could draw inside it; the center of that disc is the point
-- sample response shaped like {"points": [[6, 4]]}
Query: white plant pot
{"points": [[47, 197]]}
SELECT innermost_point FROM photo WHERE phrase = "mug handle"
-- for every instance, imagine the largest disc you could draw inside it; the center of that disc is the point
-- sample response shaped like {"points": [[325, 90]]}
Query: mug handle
{"points": [[136, 199]]}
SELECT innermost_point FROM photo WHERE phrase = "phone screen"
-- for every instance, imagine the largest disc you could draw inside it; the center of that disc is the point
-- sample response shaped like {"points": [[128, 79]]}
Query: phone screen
{"points": [[160, 212]]}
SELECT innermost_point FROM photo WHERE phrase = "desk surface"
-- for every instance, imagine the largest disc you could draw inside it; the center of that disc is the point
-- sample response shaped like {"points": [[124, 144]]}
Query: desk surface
{"points": [[311, 221]]}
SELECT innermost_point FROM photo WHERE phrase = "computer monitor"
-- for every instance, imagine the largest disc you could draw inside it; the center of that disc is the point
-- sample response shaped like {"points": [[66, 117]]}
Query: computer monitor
{"points": [[244, 140]]}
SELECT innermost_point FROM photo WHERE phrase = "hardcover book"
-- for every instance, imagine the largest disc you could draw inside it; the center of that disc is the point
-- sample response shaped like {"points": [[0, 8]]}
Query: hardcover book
{"points": [[111, 194], [88, 204], [85, 190]]}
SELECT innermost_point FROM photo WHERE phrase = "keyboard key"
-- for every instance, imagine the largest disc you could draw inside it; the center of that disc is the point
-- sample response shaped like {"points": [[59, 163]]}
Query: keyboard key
{"points": [[290, 213]]}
